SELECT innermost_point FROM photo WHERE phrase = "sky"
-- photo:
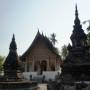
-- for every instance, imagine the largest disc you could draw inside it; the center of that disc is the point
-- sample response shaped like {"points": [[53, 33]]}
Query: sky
{"points": [[25, 17]]}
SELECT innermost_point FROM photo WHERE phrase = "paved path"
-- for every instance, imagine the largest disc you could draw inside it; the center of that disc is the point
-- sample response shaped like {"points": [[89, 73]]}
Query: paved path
{"points": [[42, 87]]}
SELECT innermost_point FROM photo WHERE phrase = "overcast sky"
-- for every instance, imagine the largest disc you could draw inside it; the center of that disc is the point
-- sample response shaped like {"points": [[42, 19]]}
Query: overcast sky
{"points": [[24, 17]]}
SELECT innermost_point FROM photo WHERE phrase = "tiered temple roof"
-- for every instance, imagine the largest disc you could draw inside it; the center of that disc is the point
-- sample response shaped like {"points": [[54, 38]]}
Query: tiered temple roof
{"points": [[46, 41]]}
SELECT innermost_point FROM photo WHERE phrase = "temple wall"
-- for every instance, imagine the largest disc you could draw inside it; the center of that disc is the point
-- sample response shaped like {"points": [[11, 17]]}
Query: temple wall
{"points": [[38, 54]]}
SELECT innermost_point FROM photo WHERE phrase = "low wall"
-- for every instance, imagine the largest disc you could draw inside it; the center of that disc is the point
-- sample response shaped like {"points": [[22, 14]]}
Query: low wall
{"points": [[49, 75]]}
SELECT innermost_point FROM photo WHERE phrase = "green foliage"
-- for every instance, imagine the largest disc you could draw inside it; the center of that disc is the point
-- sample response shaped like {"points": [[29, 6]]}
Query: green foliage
{"points": [[1, 63], [53, 38], [64, 52], [56, 50], [88, 31], [88, 38]]}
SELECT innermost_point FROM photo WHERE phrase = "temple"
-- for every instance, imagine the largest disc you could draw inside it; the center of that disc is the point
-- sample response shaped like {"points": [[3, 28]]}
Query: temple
{"points": [[76, 66], [41, 55]]}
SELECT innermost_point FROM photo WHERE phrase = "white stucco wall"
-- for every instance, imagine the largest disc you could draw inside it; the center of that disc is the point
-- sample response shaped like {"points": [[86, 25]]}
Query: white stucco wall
{"points": [[49, 75]]}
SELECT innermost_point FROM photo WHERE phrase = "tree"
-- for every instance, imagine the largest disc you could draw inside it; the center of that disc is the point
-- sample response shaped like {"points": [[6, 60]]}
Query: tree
{"points": [[88, 31], [88, 35], [53, 38], [88, 38], [64, 52], [1, 63]]}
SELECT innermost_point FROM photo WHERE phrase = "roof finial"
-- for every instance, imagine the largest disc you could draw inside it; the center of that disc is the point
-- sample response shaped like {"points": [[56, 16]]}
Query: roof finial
{"points": [[42, 33], [76, 21], [38, 29], [13, 38], [76, 11]]}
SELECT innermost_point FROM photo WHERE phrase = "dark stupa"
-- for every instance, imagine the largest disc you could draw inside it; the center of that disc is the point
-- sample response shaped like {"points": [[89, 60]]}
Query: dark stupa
{"points": [[13, 78], [12, 68], [76, 66]]}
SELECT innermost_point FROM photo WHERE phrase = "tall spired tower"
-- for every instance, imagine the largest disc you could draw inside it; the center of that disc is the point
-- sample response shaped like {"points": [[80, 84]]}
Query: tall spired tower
{"points": [[12, 63], [12, 79], [76, 67]]}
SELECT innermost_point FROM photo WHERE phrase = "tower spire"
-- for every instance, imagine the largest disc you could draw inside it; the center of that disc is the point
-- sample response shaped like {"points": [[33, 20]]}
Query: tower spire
{"points": [[76, 21], [13, 45], [13, 37], [78, 36], [76, 11]]}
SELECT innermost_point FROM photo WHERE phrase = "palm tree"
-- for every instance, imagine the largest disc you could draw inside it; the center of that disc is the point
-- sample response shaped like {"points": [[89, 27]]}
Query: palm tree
{"points": [[53, 38]]}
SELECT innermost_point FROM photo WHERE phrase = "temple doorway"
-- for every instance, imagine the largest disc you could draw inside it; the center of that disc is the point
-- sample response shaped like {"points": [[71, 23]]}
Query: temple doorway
{"points": [[43, 65]]}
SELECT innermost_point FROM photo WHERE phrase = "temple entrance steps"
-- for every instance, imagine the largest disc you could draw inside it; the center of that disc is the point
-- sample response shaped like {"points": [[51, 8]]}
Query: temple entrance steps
{"points": [[42, 87]]}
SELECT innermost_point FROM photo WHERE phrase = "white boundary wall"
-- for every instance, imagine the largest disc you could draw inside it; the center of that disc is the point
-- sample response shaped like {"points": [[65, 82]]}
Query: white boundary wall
{"points": [[49, 75]]}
